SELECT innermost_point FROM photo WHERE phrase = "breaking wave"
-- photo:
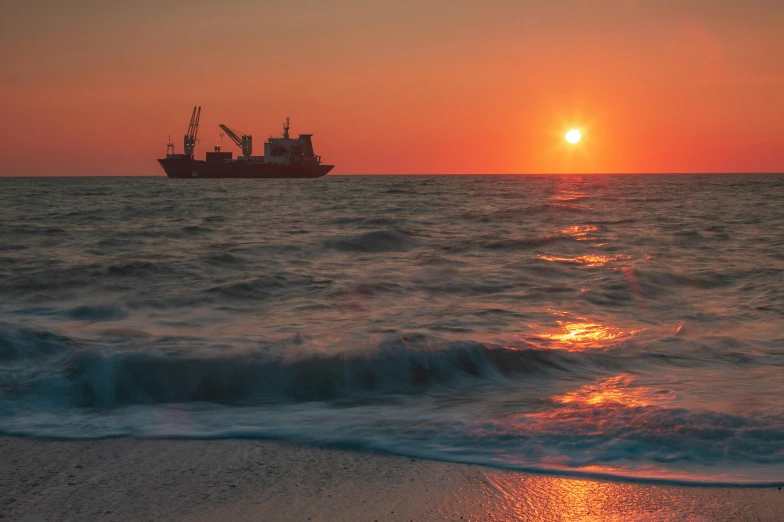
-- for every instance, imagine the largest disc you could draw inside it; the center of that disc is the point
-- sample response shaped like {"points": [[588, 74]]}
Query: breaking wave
{"points": [[30, 343], [142, 378]]}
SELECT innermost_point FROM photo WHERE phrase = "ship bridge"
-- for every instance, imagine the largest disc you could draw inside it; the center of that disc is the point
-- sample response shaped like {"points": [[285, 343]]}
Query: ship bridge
{"points": [[286, 150]]}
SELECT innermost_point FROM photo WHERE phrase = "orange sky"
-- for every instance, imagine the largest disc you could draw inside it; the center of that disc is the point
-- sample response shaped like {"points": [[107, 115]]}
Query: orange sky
{"points": [[93, 87]]}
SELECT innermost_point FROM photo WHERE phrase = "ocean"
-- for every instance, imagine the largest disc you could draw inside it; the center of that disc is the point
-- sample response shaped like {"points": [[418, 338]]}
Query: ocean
{"points": [[624, 327]]}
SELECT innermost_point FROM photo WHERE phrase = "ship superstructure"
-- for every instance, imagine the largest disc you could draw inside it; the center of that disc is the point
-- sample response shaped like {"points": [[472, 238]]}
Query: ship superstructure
{"points": [[284, 157]]}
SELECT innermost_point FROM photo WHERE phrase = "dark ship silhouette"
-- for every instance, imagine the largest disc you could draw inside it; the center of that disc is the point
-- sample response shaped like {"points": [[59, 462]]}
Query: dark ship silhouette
{"points": [[284, 157]]}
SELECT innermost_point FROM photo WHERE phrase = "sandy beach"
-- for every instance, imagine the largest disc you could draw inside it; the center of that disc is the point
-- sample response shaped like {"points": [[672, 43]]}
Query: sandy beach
{"points": [[131, 479]]}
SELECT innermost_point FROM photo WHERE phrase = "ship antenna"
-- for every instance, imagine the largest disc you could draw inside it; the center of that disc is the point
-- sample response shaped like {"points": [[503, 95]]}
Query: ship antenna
{"points": [[286, 127]]}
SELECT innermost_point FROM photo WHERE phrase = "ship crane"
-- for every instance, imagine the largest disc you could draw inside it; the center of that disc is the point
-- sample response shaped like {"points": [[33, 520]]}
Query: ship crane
{"points": [[193, 131], [245, 142]]}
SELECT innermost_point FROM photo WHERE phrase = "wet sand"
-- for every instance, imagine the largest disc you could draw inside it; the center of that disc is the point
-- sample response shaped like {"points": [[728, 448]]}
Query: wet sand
{"points": [[130, 479]]}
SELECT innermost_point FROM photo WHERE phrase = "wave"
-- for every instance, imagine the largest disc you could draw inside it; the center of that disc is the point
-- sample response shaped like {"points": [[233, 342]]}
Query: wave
{"points": [[30, 343], [143, 378], [59, 278], [505, 245], [653, 282], [405, 396], [522, 244], [137, 269], [196, 229], [97, 313], [621, 221], [367, 289], [375, 242], [380, 221], [265, 287], [252, 289], [520, 214], [185, 232], [223, 258], [34, 230], [571, 199], [111, 242], [599, 440]]}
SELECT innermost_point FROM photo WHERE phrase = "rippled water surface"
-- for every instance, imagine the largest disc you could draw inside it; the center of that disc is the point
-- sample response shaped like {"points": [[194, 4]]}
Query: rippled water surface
{"points": [[628, 326]]}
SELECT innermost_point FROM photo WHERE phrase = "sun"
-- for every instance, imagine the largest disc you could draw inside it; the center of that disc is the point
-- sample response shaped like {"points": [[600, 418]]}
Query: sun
{"points": [[574, 136]]}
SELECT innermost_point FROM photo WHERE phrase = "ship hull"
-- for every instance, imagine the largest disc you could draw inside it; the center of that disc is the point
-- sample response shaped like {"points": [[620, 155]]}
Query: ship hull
{"points": [[194, 169]]}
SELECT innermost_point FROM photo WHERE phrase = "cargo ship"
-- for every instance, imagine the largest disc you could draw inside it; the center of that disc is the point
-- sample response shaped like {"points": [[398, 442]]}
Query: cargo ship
{"points": [[284, 157]]}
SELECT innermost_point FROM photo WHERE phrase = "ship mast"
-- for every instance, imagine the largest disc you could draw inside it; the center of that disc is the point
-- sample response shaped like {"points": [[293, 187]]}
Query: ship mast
{"points": [[193, 131], [286, 127]]}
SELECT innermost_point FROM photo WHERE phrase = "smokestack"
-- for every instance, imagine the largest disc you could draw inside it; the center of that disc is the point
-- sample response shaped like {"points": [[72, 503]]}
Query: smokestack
{"points": [[306, 145]]}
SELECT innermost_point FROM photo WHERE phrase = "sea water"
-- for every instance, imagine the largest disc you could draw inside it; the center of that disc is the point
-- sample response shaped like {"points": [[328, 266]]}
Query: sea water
{"points": [[610, 326]]}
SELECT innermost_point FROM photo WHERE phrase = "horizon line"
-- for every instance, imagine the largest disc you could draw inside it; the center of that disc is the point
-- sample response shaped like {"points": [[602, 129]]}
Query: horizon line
{"points": [[730, 173]]}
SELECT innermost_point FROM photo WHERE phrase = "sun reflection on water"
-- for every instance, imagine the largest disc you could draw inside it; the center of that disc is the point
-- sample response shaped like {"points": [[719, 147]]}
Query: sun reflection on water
{"points": [[517, 496], [591, 260], [581, 333], [578, 230], [618, 391], [585, 332], [586, 335]]}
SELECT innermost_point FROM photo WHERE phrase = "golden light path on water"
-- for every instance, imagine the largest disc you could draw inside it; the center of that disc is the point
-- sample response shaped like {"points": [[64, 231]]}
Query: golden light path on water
{"points": [[596, 409], [590, 260], [581, 333], [578, 230], [612, 391], [502, 496]]}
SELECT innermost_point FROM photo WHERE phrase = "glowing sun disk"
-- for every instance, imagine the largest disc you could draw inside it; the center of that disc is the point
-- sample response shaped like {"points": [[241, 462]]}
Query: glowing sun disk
{"points": [[574, 136]]}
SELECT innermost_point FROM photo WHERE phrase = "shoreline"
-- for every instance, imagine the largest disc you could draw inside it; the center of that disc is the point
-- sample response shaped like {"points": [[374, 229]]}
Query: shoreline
{"points": [[240, 479]]}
